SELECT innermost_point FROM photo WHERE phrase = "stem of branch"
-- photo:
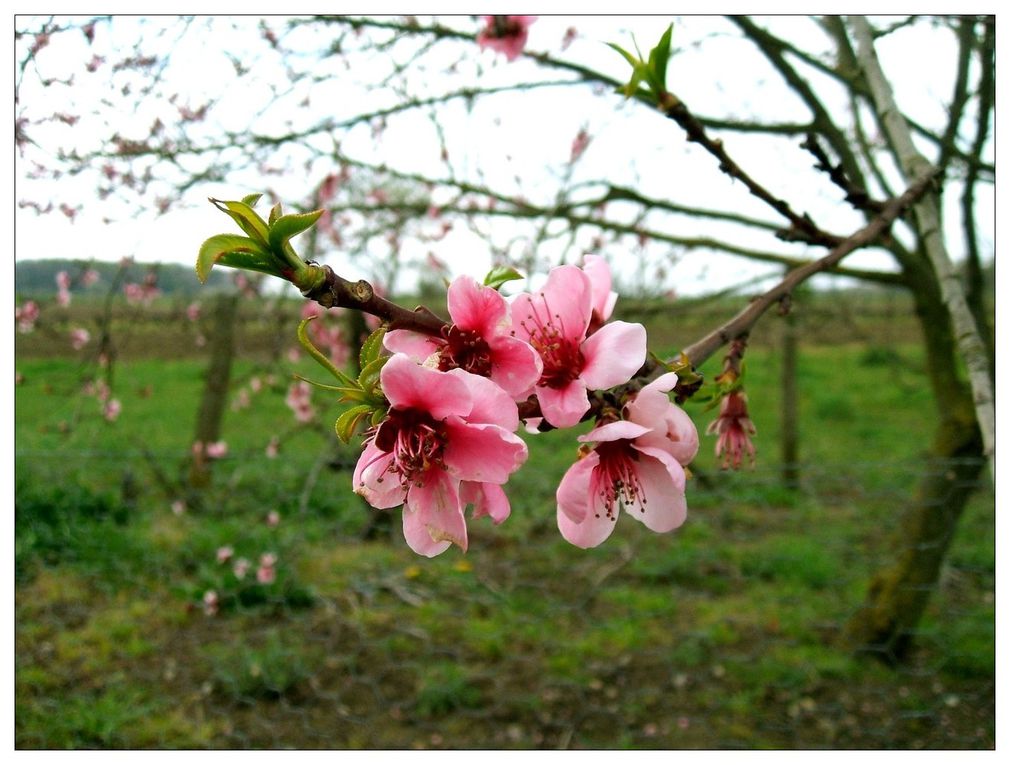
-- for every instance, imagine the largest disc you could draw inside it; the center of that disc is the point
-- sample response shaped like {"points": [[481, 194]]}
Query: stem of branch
{"points": [[741, 324]]}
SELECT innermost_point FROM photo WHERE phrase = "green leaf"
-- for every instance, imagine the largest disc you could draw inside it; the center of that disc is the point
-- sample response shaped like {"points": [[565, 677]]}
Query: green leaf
{"points": [[500, 275], [635, 63], [245, 217], [371, 349], [251, 199], [369, 377], [346, 393], [234, 251], [378, 415], [287, 226], [315, 353], [348, 421], [275, 213], [659, 57]]}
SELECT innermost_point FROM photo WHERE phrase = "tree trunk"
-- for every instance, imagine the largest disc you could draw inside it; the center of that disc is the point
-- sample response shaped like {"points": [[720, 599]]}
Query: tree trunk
{"points": [[897, 595], [215, 389]]}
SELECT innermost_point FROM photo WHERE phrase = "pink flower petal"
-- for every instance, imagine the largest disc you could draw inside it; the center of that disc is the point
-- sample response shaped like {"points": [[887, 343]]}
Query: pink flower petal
{"points": [[484, 453], [613, 355], [409, 386], [419, 347], [490, 404], [614, 431], [563, 407], [565, 301], [372, 465], [487, 499], [475, 307], [573, 491], [515, 366], [662, 480], [433, 517], [592, 532], [604, 299]]}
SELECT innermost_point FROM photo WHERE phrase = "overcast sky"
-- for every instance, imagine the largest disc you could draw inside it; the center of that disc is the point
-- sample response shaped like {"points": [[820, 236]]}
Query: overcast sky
{"points": [[719, 78]]}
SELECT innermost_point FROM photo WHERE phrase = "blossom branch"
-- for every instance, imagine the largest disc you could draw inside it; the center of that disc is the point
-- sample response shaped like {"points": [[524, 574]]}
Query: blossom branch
{"points": [[337, 292], [741, 324]]}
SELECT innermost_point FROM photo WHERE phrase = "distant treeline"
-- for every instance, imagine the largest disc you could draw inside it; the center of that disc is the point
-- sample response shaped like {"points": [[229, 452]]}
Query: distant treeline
{"points": [[37, 278]]}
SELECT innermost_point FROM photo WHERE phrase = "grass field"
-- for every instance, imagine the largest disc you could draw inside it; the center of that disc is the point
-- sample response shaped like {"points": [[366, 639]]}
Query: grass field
{"points": [[720, 635]]}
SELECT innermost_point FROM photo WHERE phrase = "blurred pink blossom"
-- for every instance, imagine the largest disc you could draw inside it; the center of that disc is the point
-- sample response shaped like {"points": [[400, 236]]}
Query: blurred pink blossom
{"points": [[299, 401], [111, 410], [26, 315], [210, 603], [216, 450], [273, 519], [89, 277], [178, 507], [79, 337], [266, 573], [241, 568], [505, 34], [579, 144], [225, 553], [273, 448], [734, 427], [193, 311]]}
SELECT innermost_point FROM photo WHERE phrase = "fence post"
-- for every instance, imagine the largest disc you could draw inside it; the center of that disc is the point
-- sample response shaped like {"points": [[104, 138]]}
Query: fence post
{"points": [[790, 405], [215, 389]]}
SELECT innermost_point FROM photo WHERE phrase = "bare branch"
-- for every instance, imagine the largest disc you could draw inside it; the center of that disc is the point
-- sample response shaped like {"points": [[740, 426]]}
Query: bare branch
{"points": [[914, 164], [741, 324]]}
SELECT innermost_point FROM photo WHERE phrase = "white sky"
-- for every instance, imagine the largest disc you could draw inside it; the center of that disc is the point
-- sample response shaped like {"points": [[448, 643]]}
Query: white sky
{"points": [[629, 144]]}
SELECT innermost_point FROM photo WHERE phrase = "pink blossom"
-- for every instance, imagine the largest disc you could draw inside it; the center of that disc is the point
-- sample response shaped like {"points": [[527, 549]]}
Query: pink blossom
{"points": [[505, 34], [89, 277], [671, 429], [604, 298], [210, 603], [447, 441], [255, 384], [79, 337], [178, 507], [216, 450], [266, 573], [735, 428], [241, 401], [241, 568], [579, 145], [26, 315], [273, 519], [62, 280], [111, 410], [625, 470], [273, 447], [225, 553], [299, 401], [478, 341], [193, 311], [63, 298], [555, 321], [570, 34]]}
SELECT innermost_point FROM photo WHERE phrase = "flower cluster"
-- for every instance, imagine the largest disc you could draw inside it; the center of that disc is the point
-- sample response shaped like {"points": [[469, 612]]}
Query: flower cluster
{"points": [[448, 439]]}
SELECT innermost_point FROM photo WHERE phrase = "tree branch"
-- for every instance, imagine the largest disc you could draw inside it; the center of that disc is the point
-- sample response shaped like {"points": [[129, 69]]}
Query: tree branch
{"points": [[740, 325], [913, 164]]}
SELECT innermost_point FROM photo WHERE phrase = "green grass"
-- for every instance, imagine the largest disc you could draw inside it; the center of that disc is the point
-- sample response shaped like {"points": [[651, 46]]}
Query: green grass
{"points": [[719, 635]]}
